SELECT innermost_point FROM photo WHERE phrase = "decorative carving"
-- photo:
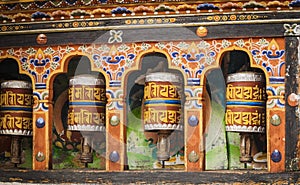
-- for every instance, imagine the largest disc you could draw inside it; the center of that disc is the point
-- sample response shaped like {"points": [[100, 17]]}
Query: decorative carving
{"points": [[291, 30]]}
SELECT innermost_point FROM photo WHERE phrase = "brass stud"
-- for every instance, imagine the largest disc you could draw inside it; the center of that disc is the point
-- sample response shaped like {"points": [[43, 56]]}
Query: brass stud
{"points": [[40, 157], [201, 31], [114, 120], [193, 157], [275, 120]]}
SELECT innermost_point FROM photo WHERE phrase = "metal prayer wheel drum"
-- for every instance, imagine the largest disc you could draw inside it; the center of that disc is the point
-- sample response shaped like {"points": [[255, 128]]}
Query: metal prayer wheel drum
{"points": [[87, 100], [16, 108], [162, 102], [245, 102]]}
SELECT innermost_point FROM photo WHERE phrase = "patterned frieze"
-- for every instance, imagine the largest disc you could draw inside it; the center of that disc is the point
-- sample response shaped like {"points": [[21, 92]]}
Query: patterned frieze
{"points": [[191, 57], [47, 25], [79, 15], [138, 6]]}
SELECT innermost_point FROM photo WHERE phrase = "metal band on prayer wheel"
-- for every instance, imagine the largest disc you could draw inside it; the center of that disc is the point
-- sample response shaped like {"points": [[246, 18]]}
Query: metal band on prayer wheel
{"points": [[87, 100], [246, 102], [16, 108], [162, 102]]}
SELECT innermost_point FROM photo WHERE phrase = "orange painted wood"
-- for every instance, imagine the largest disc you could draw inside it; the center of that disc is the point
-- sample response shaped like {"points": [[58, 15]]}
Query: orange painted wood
{"points": [[49, 127], [194, 135], [114, 142], [42, 140], [276, 140], [194, 143]]}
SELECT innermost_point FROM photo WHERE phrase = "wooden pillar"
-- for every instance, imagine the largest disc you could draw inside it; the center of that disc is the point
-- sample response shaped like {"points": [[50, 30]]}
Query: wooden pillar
{"points": [[194, 126], [115, 145], [276, 118], [42, 131], [292, 121], [276, 137]]}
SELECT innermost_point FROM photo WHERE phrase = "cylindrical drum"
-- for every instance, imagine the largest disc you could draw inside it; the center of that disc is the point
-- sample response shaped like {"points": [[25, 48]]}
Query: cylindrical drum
{"points": [[162, 102], [16, 108], [87, 100], [246, 102]]}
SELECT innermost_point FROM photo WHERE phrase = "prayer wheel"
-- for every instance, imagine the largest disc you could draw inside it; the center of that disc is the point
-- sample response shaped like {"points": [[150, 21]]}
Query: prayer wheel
{"points": [[87, 100], [162, 102], [16, 114], [162, 108], [245, 107], [246, 102], [86, 113]]}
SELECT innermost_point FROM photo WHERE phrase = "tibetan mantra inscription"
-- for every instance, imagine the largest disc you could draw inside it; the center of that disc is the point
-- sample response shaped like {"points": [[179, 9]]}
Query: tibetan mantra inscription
{"points": [[246, 102], [16, 108], [87, 102], [162, 102]]}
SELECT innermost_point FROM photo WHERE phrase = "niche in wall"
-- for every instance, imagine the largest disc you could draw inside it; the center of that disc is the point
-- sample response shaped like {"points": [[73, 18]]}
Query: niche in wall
{"points": [[9, 70], [223, 147], [66, 143], [141, 145]]}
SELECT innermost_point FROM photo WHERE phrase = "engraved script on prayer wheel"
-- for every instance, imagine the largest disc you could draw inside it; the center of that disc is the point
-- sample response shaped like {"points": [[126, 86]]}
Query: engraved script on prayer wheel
{"points": [[87, 100], [162, 102], [245, 102], [16, 108]]}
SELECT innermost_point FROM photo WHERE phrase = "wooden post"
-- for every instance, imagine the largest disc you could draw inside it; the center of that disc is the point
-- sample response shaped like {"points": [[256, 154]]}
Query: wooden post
{"points": [[194, 126], [276, 139], [292, 121], [42, 133], [115, 145]]}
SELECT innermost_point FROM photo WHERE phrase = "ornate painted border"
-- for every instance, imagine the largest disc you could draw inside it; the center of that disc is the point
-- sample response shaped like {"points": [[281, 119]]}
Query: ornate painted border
{"points": [[70, 15], [192, 58]]}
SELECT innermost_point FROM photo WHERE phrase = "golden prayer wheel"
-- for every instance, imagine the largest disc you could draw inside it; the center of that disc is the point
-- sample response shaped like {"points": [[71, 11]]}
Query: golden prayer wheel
{"points": [[86, 113], [245, 107], [16, 108], [16, 114], [246, 102], [162, 108], [87, 100], [162, 102]]}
